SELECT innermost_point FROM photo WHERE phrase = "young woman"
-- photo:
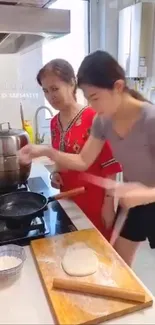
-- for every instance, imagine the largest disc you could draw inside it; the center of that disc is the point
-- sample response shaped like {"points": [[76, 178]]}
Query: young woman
{"points": [[129, 124], [70, 130]]}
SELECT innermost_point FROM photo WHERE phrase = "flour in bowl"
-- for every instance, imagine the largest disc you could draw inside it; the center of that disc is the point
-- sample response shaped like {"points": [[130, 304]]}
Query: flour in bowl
{"points": [[9, 262]]}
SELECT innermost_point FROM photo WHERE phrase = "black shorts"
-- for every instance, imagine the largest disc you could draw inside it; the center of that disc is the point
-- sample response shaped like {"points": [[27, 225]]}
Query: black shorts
{"points": [[140, 224]]}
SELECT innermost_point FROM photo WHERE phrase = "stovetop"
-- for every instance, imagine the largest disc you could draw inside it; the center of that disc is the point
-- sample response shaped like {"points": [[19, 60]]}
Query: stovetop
{"points": [[53, 222]]}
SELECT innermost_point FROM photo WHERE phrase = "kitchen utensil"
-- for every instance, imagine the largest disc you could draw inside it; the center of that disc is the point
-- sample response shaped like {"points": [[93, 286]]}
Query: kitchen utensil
{"points": [[120, 219], [97, 289], [121, 212], [22, 115], [12, 173], [15, 251], [28, 205], [71, 307]]}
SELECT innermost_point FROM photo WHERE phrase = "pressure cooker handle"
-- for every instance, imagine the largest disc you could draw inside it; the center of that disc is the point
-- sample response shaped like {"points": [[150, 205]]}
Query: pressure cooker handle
{"points": [[8, 125]]}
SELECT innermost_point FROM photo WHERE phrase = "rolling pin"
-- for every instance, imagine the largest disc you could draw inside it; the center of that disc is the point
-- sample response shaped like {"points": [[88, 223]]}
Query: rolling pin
{"points": [[96, 289]]}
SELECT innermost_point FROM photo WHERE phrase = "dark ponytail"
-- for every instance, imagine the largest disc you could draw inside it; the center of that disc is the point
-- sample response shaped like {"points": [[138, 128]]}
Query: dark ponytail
{"points": [[135, 94]]}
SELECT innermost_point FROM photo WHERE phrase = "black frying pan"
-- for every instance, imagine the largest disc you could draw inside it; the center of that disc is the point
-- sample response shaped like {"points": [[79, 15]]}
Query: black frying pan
{"points": [[27, 205]]}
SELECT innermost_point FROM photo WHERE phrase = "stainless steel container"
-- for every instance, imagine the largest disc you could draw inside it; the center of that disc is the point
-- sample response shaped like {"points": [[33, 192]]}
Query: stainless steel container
{"points": [[12, 173]]}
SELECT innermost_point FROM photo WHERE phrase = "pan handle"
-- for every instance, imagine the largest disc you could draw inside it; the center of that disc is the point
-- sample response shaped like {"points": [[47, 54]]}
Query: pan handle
{"points": [[67, 194]]}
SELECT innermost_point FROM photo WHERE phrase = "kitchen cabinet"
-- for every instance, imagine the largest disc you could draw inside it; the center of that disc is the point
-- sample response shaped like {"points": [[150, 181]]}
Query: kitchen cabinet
{"points": [[136, 38]]}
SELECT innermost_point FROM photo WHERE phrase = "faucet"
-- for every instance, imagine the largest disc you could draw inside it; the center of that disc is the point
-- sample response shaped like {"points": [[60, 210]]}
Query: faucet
{"points": [[38, 139]]}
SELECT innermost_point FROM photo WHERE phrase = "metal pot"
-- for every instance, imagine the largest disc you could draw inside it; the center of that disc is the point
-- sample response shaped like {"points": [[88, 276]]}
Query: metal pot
{"points": [[12, 173]]}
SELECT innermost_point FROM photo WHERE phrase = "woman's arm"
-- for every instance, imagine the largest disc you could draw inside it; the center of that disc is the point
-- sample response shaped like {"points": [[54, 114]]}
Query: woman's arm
{"points": [[79, 162], [89, 152], [57, 168], [137, 194]]}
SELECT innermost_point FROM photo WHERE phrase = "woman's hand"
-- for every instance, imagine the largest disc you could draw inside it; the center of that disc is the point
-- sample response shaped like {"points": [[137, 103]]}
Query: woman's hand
{"points": [[129, 195], [31, 151], [56, 180]]}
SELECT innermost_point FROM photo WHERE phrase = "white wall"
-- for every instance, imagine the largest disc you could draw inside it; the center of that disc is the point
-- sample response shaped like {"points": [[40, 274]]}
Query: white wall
{"points": [[9, 84], [30, 62], [18, 84]]}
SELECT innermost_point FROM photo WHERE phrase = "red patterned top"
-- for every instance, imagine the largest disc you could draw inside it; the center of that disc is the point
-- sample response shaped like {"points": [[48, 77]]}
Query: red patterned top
{"points": [[72, 140]]}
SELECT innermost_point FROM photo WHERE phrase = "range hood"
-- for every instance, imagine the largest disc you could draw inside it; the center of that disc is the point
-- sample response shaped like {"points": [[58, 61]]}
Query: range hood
{"points": [[21, 26]]}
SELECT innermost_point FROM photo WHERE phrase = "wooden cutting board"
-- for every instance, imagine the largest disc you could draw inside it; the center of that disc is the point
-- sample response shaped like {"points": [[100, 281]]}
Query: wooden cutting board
{"points": [[71, 308]]}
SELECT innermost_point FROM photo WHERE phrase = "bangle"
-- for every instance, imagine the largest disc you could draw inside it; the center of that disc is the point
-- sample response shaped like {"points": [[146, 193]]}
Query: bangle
{"points": [[52, 173]]}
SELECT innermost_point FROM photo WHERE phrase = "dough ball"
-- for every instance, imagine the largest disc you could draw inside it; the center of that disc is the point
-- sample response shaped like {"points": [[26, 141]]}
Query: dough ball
{"points": [[79, 262]]}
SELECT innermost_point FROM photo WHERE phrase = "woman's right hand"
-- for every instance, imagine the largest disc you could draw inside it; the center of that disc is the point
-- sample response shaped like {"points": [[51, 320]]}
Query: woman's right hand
{"points": [[31, 151], [56, 180], [128, 194]]}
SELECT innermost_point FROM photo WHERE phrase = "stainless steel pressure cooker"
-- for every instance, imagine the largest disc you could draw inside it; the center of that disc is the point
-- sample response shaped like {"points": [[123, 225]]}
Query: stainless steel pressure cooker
{"points": [[12, 173]]}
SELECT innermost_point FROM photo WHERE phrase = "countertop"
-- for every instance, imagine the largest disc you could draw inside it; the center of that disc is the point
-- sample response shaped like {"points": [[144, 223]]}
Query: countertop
{"points": [[24, 301]]}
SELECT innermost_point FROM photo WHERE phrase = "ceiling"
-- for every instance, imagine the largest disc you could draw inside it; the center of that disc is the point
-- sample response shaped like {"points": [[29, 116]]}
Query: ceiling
{"points": [[34, 3]]}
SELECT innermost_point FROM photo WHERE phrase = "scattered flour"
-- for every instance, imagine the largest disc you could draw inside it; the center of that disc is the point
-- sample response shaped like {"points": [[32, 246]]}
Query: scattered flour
{"points": [[48, 260]]}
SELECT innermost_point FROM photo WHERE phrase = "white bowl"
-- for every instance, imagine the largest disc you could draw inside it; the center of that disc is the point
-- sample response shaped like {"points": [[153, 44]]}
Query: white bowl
{"points": [[15, 251]]}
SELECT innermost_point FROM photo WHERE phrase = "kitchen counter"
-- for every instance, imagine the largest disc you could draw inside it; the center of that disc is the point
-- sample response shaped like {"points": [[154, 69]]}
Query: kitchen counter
{"points": [[24, 301]]}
